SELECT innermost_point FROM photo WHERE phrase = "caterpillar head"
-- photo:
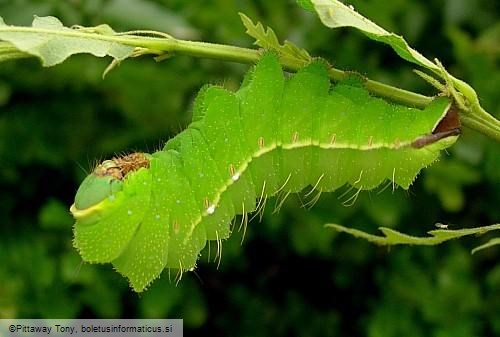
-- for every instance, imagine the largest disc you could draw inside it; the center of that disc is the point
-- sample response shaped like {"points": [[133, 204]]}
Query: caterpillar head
{"points": [[104, 182]]}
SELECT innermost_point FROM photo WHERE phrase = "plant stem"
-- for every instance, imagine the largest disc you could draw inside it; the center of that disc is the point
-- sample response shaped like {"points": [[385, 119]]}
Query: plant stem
{"points": [[476, 119], [483, 123], [245, 55], [480, 121], [223, 52]]}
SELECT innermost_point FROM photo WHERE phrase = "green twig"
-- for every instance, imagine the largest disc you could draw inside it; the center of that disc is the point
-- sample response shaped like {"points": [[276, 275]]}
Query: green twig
{"points": [[475, 118], [171, 45]]}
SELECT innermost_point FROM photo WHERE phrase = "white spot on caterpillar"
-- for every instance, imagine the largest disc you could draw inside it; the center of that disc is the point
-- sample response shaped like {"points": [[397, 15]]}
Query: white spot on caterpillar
{"points": [[201, 175], [129, 212], [236, 176], [178, 201], [211, 209], [157, 216], [158, 179]]}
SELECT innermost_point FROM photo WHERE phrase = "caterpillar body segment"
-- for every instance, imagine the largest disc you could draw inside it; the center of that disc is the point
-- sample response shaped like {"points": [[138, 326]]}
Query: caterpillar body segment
{"points": [[103, 230], [272, 135]]}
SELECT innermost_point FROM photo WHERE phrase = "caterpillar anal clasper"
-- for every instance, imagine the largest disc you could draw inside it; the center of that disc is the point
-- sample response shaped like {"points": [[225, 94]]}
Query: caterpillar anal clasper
{"points": [[147, 212]]}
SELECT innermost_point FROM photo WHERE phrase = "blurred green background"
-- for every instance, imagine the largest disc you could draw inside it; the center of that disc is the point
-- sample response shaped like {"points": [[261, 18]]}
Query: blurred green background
{"points": [[291, 276]]}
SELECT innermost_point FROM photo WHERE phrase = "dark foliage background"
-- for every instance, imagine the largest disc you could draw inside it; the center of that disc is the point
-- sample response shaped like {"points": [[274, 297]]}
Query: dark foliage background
{"points": [[291, 276]]}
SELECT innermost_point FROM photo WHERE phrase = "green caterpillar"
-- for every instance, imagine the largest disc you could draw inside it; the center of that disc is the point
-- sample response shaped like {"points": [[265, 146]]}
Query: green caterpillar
{"points": [[147, 212]]}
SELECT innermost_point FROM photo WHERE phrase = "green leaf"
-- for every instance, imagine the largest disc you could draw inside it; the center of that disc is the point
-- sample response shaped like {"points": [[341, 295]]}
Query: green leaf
{"points": [[53, 43], [335, 14], [9, 52], [489, 244], [267, 39], [306, 4], [392, 237]]}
